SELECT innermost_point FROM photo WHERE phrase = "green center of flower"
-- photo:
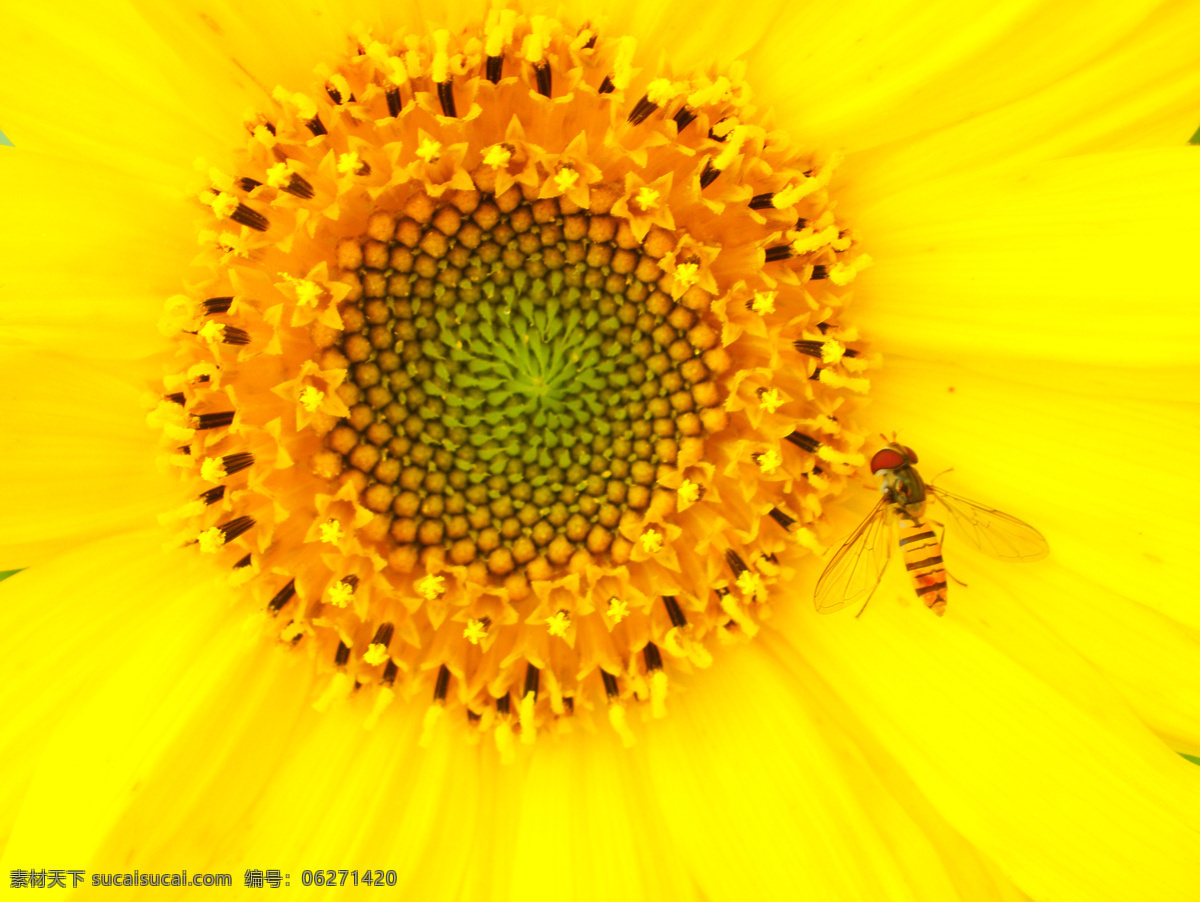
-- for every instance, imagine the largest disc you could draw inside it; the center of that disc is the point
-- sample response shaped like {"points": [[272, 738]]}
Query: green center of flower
{"points": [[516, 377]]}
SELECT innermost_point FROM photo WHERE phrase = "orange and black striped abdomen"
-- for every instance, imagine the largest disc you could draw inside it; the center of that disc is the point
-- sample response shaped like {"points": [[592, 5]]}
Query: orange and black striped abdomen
{"points": [[923, 560]]}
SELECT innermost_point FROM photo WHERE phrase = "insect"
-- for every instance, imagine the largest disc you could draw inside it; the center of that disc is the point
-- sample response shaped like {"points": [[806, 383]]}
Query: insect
{"points": [[856, 570]]}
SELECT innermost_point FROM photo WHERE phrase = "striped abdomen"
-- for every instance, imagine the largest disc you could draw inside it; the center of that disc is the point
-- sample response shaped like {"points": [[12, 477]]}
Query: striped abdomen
{"points": [[923, 560]]}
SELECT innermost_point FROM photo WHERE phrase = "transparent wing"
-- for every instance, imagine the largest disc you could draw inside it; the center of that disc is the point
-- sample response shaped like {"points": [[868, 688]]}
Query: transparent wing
{"points": [[991, 531], [855, 571]]}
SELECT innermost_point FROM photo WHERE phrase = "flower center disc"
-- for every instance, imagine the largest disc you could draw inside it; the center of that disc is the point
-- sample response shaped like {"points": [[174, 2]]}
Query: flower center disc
{"points": [[517, 378], [506, 377]]}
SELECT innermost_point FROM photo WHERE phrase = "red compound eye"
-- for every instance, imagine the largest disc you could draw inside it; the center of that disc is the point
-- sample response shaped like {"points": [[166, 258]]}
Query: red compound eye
{"points": [[912, 455], [887, 459]]}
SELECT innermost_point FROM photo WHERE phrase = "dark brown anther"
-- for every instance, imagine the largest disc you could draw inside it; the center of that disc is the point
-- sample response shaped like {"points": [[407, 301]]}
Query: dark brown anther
{"points": [[762, 201], [214, 420], [610, 684], [270, 126], [351, 581], [813, 348], [334, 94], [674, 611], [641, 110], [713, 136], [232, 463], [816, 375], [282, 597], [473, 718], [235, 528], [393, 101], [607, 86], [242, 562], [445, 91], [820, 271], [805, 442], [502, 704], [653, 657], [213, 495], [684, 117], [780, 517], [300, 187], [342, 657], [251, 218], [824, 327], [390, 672], [232, 335], [778, 252], [443, 683], [316, 126], [383, 635], [801, 223], [709, 175], [735, 562], [185, 449], [569, 704], [531, 681], [542, 73], [176, 398], [217, 305], [494, 69], [249, 184]]}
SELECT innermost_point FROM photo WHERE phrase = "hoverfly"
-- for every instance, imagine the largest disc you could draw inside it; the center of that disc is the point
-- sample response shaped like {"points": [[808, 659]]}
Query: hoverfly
{"points": [[857, 569]]}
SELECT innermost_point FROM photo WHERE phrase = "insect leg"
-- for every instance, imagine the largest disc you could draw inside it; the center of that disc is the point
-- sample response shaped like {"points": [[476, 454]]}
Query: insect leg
{"points": [[942, 542]]}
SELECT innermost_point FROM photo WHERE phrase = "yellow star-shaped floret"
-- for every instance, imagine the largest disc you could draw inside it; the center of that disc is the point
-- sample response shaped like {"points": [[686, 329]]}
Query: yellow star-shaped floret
{"points": [[771, 400], [618, 609], [212, 469], [212, 331], [331, 532], [429, 150], [311, 397], [751, 584], [687, 495], [647, 198], [376, 653], [211, 540], [279, 176], [652, 541], [763, 302], [686, 274], [770, 460], [559, 624], [565, 179], [497, 156], [340, 593], [223, 205], [475, 631], [430, 587]]}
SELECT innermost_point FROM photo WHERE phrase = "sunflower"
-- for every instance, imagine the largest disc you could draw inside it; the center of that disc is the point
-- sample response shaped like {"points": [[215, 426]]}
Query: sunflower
{"points": [[494, 382]]}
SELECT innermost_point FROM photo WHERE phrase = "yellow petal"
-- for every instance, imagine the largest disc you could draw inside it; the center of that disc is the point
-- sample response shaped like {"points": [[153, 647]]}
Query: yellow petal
{"points": [[100, 85], [76, 456], [874, 73], [1044, 770], [1046, 262], [107, 652], [94, 268], [756, 761]]}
